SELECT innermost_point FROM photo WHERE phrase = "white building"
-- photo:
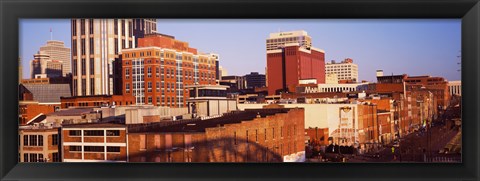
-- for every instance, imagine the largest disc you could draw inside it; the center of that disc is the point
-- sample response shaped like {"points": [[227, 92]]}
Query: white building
{"points": [[280, 39], [333, 88], [455, 87], [345, 70]]}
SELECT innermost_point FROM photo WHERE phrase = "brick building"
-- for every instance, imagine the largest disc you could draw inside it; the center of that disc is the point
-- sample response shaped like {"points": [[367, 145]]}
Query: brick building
{"points": [[39, 144], [259, 135], [291, 62], [437, 85], [157, 72], [97, 142], [97, 101]]}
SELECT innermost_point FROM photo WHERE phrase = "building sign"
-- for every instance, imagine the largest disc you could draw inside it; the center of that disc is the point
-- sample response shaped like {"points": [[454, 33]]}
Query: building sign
{"points": [[307, 89], [346, 117]]}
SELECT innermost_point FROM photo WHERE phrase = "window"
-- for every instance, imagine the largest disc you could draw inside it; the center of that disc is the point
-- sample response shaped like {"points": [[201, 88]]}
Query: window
{"points": [[127, 88], [33, 140], [116, 42], [55, 157], [123, 28], [25, 140], [94, 133], [82, 45], [256, 135], [91, 45], [115, 149], [40, 140], [149, 84], [55, 139], [74, 47], [247, 136], [92, 66], [74, 27], [94, 149], [149, 72], [33, 157], [265, 134], [82, 26], [40, 158], [113, 132], [83, 66], [25, 157], [75, 133], [235, 138], [158, 86], [273, 133]]}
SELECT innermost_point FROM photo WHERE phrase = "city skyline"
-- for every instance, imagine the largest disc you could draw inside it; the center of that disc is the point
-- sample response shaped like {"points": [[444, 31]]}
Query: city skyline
{"points": [[427, 42]]}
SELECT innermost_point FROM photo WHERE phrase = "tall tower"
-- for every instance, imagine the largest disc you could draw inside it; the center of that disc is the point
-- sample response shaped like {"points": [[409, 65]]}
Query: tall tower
{"points": [[57, 51], [290, 58], [95, 45]]}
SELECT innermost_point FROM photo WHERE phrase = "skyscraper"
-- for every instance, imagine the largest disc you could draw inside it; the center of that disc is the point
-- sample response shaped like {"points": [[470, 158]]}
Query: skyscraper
{"points": [[95, 45], [291, 58], [57, 51]]}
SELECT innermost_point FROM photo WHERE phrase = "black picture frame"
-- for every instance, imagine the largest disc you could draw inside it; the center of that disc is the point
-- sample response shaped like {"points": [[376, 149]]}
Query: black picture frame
{"points": [[11, 11]]}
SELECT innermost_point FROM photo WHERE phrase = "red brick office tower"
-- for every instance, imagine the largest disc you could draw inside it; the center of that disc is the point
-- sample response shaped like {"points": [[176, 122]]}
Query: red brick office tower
{"points": [[292, 61]]}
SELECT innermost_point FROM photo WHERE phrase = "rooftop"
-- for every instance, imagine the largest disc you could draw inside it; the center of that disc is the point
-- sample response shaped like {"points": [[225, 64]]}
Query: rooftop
{"points": [[43, 92], [94, 125], [201, 125]]}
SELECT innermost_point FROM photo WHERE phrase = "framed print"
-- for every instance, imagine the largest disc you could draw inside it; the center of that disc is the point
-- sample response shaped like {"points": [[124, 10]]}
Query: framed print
{"points": [[123, 90]]}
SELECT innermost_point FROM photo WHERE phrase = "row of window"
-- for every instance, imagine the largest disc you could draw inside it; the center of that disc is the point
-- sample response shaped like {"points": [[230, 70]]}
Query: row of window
{"points": [[168, 55], [111, 149], [247, 139], [94, 132], [37, 140]]}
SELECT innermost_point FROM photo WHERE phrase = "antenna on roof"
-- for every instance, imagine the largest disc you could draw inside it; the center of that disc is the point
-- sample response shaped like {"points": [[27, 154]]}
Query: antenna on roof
{"points": [[51, 34]]}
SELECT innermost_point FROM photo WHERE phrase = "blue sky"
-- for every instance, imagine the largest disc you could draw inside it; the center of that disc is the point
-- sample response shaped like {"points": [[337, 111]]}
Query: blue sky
{"points": [[414, 47]]}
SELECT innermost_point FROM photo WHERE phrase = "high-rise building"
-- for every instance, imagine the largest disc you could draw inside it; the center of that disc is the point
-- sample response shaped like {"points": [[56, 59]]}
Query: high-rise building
{"points": [[95, 45], [255, 80], [142, 27], [158, 70], [278, 40], [346, 70], [42, 66], [58, 52], [287, 62]]}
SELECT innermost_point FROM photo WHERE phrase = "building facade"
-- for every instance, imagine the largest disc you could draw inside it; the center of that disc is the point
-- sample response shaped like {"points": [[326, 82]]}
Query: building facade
{"points": [[57, 51], [290, 58], [42, 66], [455, 87], [97, 142], [278, 40], [345, 70], [157, 72], [292, 63], [255, 80], [39, 144], [95, 45], [262, 135]]}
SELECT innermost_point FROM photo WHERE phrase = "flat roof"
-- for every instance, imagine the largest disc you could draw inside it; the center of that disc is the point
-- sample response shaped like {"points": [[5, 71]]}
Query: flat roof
{"points": [[201, 125], [94, 125]]}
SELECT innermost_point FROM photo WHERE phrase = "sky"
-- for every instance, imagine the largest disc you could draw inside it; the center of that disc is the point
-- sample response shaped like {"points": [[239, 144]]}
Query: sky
{"points": [[413, 47]]}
